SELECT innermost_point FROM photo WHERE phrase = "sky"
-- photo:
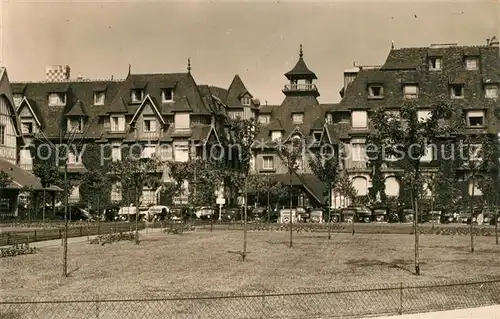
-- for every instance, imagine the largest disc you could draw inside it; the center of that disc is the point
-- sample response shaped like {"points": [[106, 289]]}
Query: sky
{"points": [[257, 40]]}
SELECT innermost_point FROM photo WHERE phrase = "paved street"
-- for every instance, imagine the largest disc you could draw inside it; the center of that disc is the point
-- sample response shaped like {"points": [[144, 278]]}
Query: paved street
{"points": [[491, 312]]}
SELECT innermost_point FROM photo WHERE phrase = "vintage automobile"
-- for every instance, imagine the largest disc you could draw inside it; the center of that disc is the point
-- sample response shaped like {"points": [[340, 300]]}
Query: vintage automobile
{"points": [[205, 213], [363, 214], [489, 218], [230, 214], [447, 218], [74, 214], [159, 212], [348, 215], [316, 216], [335, 216], [406, 215], [284, 216], [380, 215], [433, 216]]}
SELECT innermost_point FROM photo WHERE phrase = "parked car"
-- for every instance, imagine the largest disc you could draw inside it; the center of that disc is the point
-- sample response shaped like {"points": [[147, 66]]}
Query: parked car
{"points": [[348, 215], [158, 212], [335, 216], [433, 216], [231, 214], [316, 216], [205, 213], [363, 214], [447, 218], [406, 215], [74, 214], [284, 216], [380, 215]]}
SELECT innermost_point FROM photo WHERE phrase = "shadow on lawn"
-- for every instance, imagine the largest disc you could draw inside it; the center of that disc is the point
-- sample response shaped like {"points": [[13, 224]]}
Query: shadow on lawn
{"points": [[405, 265]]}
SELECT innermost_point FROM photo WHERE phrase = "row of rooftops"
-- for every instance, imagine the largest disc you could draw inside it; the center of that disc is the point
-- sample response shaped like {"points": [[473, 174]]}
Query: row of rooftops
{"points": [[405, 65]]}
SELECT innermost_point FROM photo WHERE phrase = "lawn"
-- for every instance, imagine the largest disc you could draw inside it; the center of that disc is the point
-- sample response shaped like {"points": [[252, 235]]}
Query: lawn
{"points": [[201, 262]]}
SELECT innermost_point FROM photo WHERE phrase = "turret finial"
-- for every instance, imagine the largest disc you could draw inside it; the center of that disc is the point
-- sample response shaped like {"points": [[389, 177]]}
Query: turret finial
{"points": [[301, 53], [189, 65], [129, 68]]}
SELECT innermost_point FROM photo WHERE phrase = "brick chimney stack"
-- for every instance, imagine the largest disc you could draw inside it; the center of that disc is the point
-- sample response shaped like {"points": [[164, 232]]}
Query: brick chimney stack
{"points": [[57, 73]]}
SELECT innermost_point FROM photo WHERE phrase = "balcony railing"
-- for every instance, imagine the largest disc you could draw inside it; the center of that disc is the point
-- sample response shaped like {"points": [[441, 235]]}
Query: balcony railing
{"points": [[300, 87], [26, 167]]}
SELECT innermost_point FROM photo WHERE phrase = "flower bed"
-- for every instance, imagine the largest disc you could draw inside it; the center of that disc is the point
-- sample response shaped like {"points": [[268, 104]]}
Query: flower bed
{"points": [[113, 238], [17, 250]]}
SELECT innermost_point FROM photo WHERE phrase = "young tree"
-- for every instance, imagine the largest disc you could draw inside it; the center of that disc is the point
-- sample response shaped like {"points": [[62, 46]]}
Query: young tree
{"points": [[135, 174], [290, 155], [345, 189], [325, 167], [49, 175], [244, 133], [5, 180], [406, 137]]}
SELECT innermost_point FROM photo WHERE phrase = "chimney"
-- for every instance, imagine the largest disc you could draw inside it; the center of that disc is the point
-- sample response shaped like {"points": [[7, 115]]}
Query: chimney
{"points": [[493, 42], [57, 73], [80, 77], [350, 75]]}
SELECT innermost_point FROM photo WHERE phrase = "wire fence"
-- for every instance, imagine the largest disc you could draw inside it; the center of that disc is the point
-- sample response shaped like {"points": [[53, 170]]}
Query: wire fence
{"points": [[345, 302]]}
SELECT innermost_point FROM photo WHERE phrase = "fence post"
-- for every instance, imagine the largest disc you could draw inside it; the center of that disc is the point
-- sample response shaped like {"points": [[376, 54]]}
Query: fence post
{"points": [[97, 307], [400, 312], [98, 228], [81, 231], [35, 239], [28, 241], [8, 238]]}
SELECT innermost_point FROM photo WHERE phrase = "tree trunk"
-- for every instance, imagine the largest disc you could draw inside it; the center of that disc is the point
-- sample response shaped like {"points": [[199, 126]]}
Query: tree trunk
{"points": [[269, 214], [43, 210], [245, 224], [472, 214], [137, 203], [65, 241], [290, 221], [415, 230]]}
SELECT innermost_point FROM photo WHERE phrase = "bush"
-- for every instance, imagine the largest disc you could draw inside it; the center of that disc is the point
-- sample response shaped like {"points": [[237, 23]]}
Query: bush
{"points": [[17, 250], [113, 238], [478, 231]]}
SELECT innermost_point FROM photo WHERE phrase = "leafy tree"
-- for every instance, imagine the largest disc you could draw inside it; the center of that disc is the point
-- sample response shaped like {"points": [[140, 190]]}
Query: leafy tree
{"points": [[326, 168], [5, 180], [244, 133], [135, 175], [290, 155], [49, 175], [406, 137]]}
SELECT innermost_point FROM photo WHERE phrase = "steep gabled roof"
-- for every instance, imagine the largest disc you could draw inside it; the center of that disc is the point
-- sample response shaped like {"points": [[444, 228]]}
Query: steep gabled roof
{"points": [[34, 112], [182, 105], [76, 110], [236, 90], [147, 101]]}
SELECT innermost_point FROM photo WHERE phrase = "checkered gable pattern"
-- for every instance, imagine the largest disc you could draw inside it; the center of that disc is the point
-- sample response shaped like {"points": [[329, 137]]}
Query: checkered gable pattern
{"points": [[59, 73]]}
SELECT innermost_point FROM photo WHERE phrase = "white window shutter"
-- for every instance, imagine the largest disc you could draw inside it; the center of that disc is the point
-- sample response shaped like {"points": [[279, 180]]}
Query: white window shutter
{"points": [[121, 123], [359, 119]]}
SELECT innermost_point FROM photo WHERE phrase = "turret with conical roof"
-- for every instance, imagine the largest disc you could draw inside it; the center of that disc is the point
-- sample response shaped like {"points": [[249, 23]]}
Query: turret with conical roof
{"points": [[301, 79]]}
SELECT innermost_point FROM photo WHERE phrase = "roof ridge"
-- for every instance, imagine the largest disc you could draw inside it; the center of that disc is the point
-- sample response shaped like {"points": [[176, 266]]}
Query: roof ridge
{"points": [[67, 81]]}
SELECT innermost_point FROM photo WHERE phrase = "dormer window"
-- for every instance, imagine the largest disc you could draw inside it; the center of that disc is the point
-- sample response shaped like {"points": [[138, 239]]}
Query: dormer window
{"points": [[167, 95], [317, 136], [27, 127], [264, 119], [136, 95], [117, 123], [57, 99], [457, 91], [99, 98], [17, 99], [75, 125], [491, 91], [375, 91], [329, 118], [298, 118], [471, 63], [276, 135], [359, 119], [246, 100], [435, 64], [182, 121], [410, 91]]}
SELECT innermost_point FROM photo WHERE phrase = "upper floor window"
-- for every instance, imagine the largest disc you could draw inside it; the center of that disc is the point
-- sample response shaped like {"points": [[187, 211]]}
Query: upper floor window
{"points": [[435, 63], [276, 135], [428, 155], [150, 125], [74, 158], [317, 136], [2, 134], [410, 91], [471, 63], [474, 151], [57, 99], [167, 95], [298, 118], [423, 115], [116, 153], [181, 152], [375, 91], [148, 152], [359, 119], [182, 121], [117, 123], [457, 91], [27, 127], [246, 100], [136, 95], [75, 125], [99, 97], [491, 91], [267, 162], [329, 118], [264, 119], [17, 99], [358, 152], [475, 118]]}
